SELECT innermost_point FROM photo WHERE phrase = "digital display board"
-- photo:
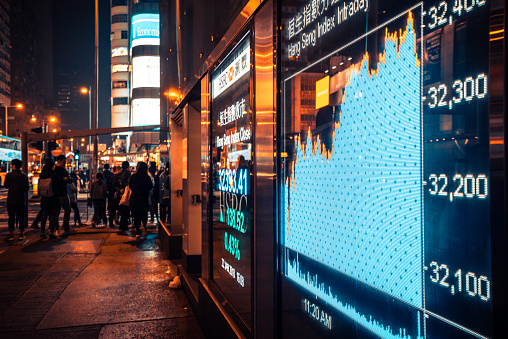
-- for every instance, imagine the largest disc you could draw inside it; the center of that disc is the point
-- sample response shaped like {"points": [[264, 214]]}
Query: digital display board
{"points": [[385, 226], [146, 71], [145, 111], [231, 140], [145, 29]]}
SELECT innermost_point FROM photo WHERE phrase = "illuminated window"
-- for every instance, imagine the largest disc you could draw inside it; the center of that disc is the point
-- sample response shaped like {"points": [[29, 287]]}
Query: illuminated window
{"points": [[119, 51], [120, 68], [119, 84]]}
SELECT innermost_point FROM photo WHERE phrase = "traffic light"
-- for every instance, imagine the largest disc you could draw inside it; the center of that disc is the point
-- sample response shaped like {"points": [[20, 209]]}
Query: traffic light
{"points": [[52, 145], [39, 144], [76, 154]]}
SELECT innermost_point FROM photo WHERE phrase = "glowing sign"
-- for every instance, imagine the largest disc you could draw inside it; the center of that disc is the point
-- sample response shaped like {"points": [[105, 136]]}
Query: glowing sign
{"points": [[386, 199], [323, 92], [231, 183], [145, 111], [119, 51], [145, 30], [231, 72], [119, 68], [146, 71]]}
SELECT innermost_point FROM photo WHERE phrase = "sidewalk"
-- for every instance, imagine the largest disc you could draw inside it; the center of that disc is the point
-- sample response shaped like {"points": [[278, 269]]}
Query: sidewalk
{"points": [[93, 284]]}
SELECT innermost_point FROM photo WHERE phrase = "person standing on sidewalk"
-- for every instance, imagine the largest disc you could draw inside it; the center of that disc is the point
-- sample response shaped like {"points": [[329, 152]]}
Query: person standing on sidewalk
{"points": [[165, 191], [121, 182], [140, 185], [17, 183], [50, 205], [113, 197], [65, 178], [98, 192], [73, 191]]}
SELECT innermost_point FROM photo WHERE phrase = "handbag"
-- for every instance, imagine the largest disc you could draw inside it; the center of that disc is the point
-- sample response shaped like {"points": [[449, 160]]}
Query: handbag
{"points": [[125, 197]]}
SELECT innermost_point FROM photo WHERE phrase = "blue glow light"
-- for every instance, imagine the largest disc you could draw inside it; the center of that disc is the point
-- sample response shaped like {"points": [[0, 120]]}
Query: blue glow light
{"points": [[357, 207]]}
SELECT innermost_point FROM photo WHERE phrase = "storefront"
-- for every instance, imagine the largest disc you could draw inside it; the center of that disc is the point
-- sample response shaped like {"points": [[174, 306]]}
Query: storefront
{"points": [[352, 177]]}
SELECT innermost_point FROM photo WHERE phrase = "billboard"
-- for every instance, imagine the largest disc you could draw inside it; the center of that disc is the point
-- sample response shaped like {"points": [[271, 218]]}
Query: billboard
{"points": [[145, 111], [386, 204], [145, 30], [146, 71]]}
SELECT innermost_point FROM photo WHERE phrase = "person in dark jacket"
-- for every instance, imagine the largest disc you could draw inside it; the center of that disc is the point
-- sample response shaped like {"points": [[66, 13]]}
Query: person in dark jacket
{"points": [[17, 183], [65, 179], [98, 193], [140, 185], [50, 205], [121, 181]]}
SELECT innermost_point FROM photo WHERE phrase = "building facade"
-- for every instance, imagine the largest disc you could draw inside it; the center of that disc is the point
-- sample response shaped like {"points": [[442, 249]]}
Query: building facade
{"points": [[120, 64]]}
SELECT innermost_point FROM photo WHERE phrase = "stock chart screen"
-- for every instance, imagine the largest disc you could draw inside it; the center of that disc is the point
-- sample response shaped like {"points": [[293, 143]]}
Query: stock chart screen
{"points": [[231, 177], [385, 196]]}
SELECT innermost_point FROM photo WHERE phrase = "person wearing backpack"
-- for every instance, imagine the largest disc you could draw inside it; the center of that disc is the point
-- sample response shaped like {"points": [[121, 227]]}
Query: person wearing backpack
{"points": [[50, 200], [17, 183]]}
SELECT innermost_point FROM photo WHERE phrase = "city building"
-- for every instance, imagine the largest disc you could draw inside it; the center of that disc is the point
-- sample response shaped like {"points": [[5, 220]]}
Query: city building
{"points": [[5, 57], [338, 168], [120, 64]]}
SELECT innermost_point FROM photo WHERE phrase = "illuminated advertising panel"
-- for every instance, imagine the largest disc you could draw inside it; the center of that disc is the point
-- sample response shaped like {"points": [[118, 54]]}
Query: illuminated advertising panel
{"points": [[120, 68], [145, 112], [119, 51], [231, 184], [385, 201], [146, 71], [145, 30]]}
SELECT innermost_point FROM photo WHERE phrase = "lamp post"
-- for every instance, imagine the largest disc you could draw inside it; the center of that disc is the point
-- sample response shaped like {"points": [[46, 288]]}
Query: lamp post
{"points": [[18, 106]]}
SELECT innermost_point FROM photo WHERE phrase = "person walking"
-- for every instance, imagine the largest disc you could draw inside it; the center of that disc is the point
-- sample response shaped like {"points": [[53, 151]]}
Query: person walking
{"points": [[64, 179], [73, 191], [121, 182], [140, 184], [17, 183], [50, 201], [98, 193]]}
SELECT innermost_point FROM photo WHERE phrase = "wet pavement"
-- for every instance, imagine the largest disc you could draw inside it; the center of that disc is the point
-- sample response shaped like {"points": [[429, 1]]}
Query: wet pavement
{"points": [[93, 284]]}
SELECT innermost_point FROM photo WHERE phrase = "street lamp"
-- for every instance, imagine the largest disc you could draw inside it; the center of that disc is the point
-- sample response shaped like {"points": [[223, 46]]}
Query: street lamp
{"points": [[18, 106], [88, 91]]}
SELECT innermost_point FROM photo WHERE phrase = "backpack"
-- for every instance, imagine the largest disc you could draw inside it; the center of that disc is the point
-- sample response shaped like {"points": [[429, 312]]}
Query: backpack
{"points": [[46, 187]]}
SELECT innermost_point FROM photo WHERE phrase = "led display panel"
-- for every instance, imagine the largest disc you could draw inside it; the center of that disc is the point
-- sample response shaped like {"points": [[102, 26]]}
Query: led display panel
{"points": [[145, 111], [145, 30], [231, 139], [146, 71], [385, 195]]}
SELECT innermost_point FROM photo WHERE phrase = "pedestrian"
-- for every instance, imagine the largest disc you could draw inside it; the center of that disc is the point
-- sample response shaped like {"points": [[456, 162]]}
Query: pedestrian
{"points": [[17, 183], [106, 173], [50, 201], [155, 198], [165, 194], [64, 179], [121, 182], [98, 193], [140, 184], [113, 198], [73, 191]]}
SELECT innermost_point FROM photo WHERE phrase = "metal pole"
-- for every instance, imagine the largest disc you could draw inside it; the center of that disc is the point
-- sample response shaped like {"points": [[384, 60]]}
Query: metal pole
{"points": [[6, 122], [90, 127], [95, 141], [24, 169]]}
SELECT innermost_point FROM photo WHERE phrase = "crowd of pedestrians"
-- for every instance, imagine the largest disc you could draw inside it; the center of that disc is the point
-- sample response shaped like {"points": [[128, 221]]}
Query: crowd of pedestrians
{"points": [[119, 197]]}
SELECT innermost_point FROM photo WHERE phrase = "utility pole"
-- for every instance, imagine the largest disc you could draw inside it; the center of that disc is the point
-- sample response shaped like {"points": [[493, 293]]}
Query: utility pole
{"points": [[95, 161]]}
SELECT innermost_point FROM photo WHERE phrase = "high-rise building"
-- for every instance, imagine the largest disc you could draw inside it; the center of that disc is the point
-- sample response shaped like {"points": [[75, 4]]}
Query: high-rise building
{"points": [[5, 63], [120, 66]]}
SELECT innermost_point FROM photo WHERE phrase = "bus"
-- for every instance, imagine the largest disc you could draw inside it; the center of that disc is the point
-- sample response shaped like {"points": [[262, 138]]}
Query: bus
{"points": [[10, 148]]}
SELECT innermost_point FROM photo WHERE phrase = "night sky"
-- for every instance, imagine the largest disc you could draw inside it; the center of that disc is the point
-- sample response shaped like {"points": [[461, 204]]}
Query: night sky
{"points": [[73, 31]]}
